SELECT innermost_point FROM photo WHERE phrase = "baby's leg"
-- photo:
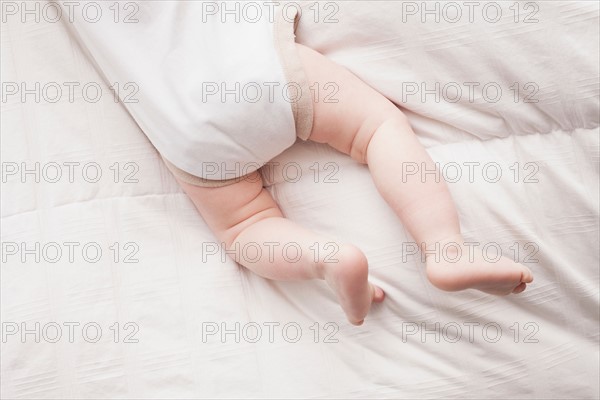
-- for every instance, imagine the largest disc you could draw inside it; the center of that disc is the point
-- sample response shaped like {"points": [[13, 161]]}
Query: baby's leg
{"points": [[246, 219], [366, 125]]}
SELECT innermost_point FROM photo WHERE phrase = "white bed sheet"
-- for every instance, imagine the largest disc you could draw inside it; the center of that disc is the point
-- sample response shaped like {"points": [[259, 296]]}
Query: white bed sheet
{"points": [[178, 291]]}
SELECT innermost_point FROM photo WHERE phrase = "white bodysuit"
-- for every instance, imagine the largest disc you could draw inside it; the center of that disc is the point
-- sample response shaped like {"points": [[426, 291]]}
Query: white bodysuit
{"points": [[221, 88]]}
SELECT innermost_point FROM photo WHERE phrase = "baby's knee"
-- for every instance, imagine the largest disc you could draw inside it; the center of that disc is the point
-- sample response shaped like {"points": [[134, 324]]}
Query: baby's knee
{"points": [[370, 127]]}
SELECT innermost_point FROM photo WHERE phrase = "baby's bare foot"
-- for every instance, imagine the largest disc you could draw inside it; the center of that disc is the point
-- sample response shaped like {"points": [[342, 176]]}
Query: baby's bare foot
{"points": [[348, 277], [455, 266]]}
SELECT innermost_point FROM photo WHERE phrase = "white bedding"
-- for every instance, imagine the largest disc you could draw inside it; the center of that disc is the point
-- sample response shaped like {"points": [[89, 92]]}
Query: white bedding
{"points": [[178, 292]]}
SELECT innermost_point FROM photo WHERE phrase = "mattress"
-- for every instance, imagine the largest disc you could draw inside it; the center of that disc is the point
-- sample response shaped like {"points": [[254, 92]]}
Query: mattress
{"points": [[112, 286]]}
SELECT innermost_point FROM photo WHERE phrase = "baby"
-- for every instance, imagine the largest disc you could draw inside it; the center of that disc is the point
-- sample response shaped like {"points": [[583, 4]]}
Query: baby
{"points": [[368, 127], [360, 122]]}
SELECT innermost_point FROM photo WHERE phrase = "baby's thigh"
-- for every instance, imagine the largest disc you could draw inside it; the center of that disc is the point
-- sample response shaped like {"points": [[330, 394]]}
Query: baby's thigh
{"points": [[228, 210], [345, 109]]}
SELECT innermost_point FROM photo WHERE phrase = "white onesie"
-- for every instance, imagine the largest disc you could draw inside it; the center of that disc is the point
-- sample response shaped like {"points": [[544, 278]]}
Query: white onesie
{"points": [[221, 87]]}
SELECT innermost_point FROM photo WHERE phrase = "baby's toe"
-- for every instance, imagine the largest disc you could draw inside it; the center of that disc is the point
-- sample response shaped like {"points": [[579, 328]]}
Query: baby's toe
{"points": [[378, 294], [520, 288], [526, 275]]}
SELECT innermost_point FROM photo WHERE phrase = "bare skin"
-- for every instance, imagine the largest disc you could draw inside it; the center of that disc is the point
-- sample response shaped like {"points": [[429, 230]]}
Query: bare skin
{"points": [[369, 128]]}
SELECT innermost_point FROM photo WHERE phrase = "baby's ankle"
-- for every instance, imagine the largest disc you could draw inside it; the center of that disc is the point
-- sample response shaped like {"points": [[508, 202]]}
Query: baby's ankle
{"points": [[448, 244]]}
